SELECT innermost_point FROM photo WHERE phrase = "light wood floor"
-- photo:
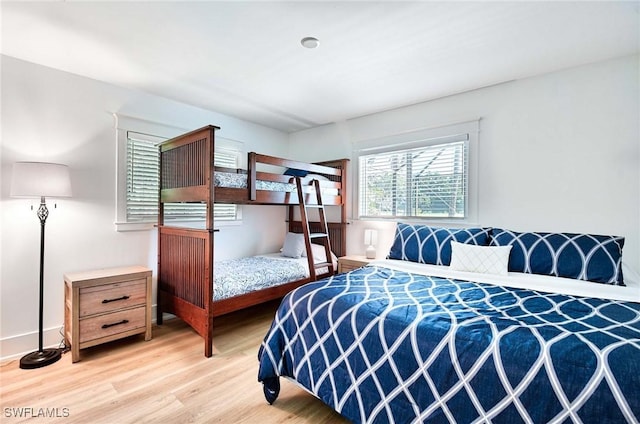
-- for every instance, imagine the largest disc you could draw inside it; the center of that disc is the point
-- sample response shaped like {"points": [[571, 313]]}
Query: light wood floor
{"points": [[164, 380]]}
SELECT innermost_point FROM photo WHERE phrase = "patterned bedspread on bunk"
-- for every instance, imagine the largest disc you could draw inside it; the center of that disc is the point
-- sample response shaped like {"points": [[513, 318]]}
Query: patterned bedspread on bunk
{"points": [[380, 345], [234, 277], [232, 180]]}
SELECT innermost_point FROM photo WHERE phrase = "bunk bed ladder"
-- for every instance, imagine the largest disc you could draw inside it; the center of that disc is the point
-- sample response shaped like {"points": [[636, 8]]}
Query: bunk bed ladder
{"points": [[308, 236]]}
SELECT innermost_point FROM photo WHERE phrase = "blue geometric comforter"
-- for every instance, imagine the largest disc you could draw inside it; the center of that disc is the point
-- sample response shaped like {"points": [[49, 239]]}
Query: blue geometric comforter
{"points": [[384, 346]]}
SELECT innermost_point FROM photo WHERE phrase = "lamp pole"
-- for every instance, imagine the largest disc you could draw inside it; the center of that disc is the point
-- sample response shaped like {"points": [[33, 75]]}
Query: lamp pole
{"points": [[40, 180], [41, 357], [43, 213]]}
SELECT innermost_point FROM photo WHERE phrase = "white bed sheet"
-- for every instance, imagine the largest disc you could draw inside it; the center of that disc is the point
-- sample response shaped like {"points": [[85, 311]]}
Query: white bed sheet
{"points": [[303, 261], [549, 284]]}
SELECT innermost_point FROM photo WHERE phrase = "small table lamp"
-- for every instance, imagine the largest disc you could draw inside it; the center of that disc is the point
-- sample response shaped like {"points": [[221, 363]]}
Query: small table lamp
{"points": [[38, 179], [370, 240]]}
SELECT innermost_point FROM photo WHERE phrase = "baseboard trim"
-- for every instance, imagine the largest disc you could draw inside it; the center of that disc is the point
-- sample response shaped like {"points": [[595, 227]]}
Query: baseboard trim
{"points": [[15, 347]]}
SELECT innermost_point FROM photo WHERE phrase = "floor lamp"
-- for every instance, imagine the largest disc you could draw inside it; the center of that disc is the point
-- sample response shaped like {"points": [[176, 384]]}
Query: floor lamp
{"points": [[39, 179]]}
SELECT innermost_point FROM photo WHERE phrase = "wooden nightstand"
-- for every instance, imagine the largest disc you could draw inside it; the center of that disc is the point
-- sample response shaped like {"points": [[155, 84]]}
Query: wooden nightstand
{"points": [[105, 305], [348, 263]]}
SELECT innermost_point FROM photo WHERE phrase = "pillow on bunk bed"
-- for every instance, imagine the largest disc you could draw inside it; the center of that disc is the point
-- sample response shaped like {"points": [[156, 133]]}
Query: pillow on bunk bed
{"points": [[588, 257], [310, 177], [432, 245], [293, 246], [319, 255], [296, 172]]}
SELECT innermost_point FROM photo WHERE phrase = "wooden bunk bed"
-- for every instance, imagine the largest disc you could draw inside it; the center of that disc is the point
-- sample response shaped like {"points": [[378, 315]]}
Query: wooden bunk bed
{"points": [[186, 255]]}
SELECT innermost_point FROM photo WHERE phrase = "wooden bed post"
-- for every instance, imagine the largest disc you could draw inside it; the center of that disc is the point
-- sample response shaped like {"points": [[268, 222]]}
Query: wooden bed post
{"points": [[251, 175], [159, 309], [208, 336], [208, 345]]}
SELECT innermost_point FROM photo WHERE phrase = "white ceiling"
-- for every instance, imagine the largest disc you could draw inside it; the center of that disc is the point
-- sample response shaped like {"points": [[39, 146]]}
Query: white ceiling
{"points": [[245, 59]]}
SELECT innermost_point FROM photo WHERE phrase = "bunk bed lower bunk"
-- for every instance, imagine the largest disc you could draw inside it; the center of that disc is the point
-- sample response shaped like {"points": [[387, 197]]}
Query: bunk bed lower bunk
{"points": [[189, 284]]}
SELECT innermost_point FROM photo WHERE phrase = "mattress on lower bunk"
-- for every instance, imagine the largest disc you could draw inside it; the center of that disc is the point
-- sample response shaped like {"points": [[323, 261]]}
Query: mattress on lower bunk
{"points": [[234, 277]]}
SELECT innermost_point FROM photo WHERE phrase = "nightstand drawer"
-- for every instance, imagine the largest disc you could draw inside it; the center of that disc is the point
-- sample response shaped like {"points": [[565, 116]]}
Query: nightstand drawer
{"points": [[347, 268], [349, 263], [109, 324], [111, 297]]}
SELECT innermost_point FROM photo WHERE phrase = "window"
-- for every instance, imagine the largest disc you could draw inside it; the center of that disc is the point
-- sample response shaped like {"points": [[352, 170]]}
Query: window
{"points": [[138, 177], [143, 184], [143, 180], [422, 175]]}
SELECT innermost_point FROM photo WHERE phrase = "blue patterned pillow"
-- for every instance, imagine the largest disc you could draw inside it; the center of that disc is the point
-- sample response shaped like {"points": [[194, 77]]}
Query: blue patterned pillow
{"points": [[296, 172], [580, 256], [432, 245]]}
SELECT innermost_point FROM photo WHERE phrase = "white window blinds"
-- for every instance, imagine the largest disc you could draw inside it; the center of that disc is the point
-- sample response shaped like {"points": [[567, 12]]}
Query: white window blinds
{"points": [[429, 181], [143, 178], [143, 183]]}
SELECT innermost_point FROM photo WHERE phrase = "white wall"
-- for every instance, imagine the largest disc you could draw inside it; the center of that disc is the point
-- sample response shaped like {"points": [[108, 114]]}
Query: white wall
{"points": [[558, 152], [55, 116]]}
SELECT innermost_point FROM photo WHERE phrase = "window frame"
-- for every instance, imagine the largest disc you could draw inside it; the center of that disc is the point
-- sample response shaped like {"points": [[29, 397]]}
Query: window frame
{"points": [[417, 139], [153, 131]]}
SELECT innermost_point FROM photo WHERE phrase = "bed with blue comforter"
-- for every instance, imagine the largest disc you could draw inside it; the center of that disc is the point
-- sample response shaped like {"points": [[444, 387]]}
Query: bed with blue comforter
{"points": [[383, 345]]}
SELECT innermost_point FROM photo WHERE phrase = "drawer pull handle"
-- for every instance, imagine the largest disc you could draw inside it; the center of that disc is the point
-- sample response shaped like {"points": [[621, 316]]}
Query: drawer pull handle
{"points": [[116, 299], [124, 321]]}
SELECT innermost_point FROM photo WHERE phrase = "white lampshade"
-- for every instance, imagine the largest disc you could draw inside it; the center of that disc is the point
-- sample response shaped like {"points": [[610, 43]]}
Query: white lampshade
{"points": [[370, 240], [40, 179], [370, 237]]}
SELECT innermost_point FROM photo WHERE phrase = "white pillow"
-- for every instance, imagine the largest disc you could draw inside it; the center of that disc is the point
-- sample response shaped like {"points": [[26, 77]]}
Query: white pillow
{"points": [[319, 255], [483, 259], [293, 245], [309, 177], [316, 249]]}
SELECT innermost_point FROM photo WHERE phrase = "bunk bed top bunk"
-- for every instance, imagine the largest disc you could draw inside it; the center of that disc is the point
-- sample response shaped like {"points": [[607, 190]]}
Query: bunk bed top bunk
{"points": [[188, 174]]}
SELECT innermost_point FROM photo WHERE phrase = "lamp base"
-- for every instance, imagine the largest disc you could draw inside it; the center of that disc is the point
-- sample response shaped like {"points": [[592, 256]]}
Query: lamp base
{"points": [[370, 253], [40, 359]]}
